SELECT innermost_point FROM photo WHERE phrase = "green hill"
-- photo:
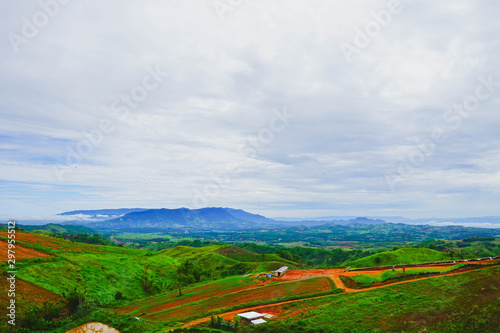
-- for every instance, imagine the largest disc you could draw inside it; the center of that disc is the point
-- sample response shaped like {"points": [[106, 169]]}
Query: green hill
{"points": [[102, 271], [465, 302], [227, 260], [398, 257]]}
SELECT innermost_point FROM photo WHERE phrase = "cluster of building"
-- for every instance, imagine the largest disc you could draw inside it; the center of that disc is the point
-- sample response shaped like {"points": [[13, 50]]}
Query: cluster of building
{"points": [[256, 318]]}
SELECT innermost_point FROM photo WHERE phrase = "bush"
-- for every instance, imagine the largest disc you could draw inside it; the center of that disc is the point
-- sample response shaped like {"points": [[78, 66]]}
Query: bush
{"points": [[119, 296], [40, 318]]}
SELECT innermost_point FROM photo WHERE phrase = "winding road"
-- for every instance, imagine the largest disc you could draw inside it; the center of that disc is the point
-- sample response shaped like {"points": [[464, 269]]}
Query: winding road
{"points": [[334, 274]]}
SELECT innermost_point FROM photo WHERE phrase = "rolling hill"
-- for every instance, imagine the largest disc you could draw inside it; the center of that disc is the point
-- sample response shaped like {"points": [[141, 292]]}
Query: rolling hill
{"points": [[113, 284], [398, 257], [60, 266]]}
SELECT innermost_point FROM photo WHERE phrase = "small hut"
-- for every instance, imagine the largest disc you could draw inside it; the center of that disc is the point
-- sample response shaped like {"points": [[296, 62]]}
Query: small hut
{"points": [[281, 271]]}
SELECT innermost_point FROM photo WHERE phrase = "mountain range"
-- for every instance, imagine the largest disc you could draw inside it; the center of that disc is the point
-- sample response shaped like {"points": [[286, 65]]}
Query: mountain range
{"points": [[217, 218], [212, 218]]}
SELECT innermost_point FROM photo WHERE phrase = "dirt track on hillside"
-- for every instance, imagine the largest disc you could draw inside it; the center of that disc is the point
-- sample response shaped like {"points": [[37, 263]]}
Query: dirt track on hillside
{"points": [[334, 274]]}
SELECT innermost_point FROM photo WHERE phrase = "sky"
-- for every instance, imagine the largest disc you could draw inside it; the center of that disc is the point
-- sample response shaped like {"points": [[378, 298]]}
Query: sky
{"points": [[282, 108]]}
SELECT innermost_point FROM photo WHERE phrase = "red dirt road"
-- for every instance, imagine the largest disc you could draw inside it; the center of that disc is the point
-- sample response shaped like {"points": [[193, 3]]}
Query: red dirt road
{"points": [[334, 274]]}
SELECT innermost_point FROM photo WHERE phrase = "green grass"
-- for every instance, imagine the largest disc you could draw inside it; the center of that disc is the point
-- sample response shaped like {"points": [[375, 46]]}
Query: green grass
{"points": [[269, 266], [102, 271], [219, 257], [401, 256], [100, 274], [186, 252], [209, 298], [365, 280], [191, 294], [467, 302]]}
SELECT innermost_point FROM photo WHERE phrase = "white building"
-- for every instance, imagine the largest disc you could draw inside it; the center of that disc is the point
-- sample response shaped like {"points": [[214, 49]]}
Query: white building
{"points": [[281, 271], [258, 321], [251, 315]]}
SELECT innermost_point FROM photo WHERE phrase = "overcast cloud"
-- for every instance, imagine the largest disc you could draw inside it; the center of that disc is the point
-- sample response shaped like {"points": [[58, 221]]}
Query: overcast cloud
{"points": [[350, 144]]}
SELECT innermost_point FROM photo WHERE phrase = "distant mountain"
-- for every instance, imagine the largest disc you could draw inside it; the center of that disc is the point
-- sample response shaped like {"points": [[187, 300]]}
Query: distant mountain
{"points": [[483, 221], [186, 219], [241, 214], [395, 219], [361, 220], [107, 212], [458, 220], [313, 223], [314, 219], [214, 218]]}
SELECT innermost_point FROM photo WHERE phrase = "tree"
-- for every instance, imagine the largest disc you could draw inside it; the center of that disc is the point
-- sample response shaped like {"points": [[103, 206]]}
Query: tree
{"points": [[237, 323], [285, 254], [451, 253], [147, 280], [76, 299], [119, 296], [185, 275], [40, 318]]}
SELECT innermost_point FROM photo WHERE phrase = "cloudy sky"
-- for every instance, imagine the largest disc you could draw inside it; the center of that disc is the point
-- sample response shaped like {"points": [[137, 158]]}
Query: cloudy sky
{"points": [[283, 108]]}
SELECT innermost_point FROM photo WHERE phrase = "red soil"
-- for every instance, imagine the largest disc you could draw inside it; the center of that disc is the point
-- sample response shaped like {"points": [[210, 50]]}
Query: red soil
{"points": [[27, 294], [20, 252], [192, 298], [236, 298], [333, 274], [50, 243], [254, 267]]}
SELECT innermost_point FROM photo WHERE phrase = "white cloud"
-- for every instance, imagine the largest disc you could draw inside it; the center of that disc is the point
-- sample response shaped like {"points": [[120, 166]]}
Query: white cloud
{"points": [[354, 122]]}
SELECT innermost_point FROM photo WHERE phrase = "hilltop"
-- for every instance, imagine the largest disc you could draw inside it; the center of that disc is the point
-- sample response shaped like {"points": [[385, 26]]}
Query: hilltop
{"points": [[399, 257]]}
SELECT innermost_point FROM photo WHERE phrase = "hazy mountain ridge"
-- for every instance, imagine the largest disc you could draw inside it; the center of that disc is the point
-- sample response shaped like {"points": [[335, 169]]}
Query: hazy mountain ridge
{"points": [[184, 218], [481, 221], [218, 218], [104, 212]]}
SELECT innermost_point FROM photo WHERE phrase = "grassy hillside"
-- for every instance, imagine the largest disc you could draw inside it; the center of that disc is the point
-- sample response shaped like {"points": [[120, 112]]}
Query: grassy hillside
{"points": [[467, 302], [54, 245], [366, 280], [243, 255], [242, 261], [227, 293], [60, 266], [50, 269], [398, 257], [101, 275]]}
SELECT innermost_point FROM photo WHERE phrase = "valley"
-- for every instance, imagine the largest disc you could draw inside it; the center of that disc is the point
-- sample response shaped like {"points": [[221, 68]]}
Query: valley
{"points": [[161, 281]]}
